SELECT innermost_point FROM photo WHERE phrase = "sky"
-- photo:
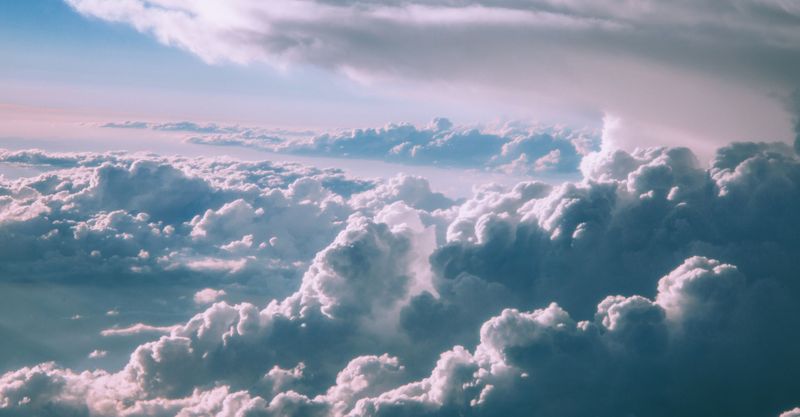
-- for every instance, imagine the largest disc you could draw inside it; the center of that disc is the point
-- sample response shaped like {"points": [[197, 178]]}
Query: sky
{"points": [[90, 69], [353, 208], [702, 74]]}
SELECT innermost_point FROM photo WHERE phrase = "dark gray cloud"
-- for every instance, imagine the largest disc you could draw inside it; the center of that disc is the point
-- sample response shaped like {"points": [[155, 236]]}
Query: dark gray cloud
{"points": [[634, 357]]}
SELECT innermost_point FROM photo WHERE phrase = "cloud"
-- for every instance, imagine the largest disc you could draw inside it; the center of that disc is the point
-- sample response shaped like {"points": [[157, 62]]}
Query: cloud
{"points": [[146, 216], [411, 190], [795, 107], [209, 128], [616, 362], [516, 148], [668, 70], [163, 228], [650, 279], [634, 215], [147, 211], [136, 329], [605, 365], [208, 296], [92, 222], [97, 353]]}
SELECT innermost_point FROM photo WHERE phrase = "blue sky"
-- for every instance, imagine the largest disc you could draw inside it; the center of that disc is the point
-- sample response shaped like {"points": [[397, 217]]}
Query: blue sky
{"points": [[54, 57]]}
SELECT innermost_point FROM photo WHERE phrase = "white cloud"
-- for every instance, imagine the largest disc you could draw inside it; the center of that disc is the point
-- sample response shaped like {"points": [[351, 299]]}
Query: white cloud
{"points": [[208, 296], [414, 191], [97, 353], [525, 359], [217, 265]]}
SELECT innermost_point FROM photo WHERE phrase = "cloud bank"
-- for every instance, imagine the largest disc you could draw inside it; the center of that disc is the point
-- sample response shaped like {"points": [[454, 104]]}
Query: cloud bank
{"points": [[652, 278], [516, 148]]}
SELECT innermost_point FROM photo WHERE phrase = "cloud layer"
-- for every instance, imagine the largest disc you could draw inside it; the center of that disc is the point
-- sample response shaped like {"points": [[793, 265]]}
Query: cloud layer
{"points": [[517, 148], [162, 229], [652, 278]]}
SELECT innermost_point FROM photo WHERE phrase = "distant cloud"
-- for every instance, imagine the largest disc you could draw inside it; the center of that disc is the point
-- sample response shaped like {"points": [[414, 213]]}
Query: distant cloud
{"points": [[442, 143], [97, 353], [208, 296], [518, 148], [209, 128], [136, 329], [126, 125]]}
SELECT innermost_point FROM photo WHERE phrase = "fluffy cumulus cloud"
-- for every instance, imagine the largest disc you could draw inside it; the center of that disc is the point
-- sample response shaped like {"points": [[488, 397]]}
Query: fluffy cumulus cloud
{"points": [[672, 67], [651, 279], [516, 147], [175, 233], [142, 214]]}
